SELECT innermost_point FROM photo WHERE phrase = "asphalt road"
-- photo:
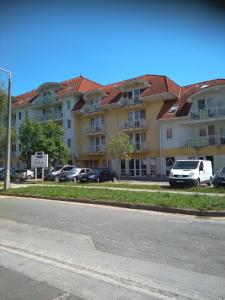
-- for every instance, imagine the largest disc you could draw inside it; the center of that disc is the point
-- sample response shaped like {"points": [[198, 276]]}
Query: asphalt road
{"points": [[111, 253]]}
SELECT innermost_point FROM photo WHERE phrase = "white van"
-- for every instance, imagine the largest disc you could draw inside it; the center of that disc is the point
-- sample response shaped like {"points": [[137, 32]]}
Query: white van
{"points": [[191, 172]]}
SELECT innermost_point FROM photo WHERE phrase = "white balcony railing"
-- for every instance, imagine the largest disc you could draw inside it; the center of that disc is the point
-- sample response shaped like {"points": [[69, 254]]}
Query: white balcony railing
{"points": [[125, 102], [94, 129], [204, 141], [45, 101], [95, 149], [91, 109], [49, 116], [140, 123], [202, 114]]}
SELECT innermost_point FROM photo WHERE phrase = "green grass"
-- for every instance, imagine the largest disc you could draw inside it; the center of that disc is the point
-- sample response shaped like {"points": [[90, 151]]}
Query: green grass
{"points": [[201, 189], [160, 199]]}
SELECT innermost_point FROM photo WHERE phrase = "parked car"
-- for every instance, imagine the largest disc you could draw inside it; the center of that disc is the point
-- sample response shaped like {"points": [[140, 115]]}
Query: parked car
{"points": [[25, 173], [191, 172], [98, 174], [59, 170], [13, 174], [219, 178], [72, 174]]}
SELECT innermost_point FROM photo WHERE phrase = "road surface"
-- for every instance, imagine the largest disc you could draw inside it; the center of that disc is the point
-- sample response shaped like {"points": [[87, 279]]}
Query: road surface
{"points": [[58, 250]]}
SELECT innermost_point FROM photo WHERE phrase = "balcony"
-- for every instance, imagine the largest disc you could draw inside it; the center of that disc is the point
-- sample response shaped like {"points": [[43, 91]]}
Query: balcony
{"points": [[49, 117], [129, 102], [140, 147], [204, 141], [95, 149], [92, 130], [208, 113], [89, 109], [134, 124], [46, 101]]}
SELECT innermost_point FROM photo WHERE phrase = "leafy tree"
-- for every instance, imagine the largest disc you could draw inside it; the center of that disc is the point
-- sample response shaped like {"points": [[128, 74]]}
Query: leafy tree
{"points": [[3, 103], [46, 137], [120, 148], [3, 110]]}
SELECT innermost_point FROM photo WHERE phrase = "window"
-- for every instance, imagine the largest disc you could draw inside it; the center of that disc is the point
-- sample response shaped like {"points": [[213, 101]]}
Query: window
{"points": [[136, 115], [68, 123], [69, 143], [201, 104], [174, 108], [26, 113], [19, 147], [20, 115], [68, 105], [169, 133]]}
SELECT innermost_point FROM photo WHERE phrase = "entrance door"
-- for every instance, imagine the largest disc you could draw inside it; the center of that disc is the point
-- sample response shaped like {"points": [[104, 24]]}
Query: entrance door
{"points": [[134, 167]]}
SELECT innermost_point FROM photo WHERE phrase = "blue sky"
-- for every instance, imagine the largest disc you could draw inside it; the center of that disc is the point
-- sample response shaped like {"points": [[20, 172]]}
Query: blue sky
{"points": [[54, 41]]}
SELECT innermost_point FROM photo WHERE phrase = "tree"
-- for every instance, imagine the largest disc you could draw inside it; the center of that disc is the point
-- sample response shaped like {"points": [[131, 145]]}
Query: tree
{"points": [[120, 148], [3, 103], [46, 137], [3, 109]]}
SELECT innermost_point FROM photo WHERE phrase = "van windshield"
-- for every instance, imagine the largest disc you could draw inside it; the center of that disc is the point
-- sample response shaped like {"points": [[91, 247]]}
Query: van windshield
{"points": [[186, 164]]}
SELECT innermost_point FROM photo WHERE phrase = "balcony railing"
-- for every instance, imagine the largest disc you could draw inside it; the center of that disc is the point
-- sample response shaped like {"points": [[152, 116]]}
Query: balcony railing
{"points": [[45, 101], [94, 129], [140, 123], [95, 149], [142, 146], [49, 117], [125, 102], [205, 141], [202, 114], [90, 109]]}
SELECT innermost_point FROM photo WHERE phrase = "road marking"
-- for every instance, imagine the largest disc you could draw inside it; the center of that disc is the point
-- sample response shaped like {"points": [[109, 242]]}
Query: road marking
{"points": [[64, 296], [153, 290]]}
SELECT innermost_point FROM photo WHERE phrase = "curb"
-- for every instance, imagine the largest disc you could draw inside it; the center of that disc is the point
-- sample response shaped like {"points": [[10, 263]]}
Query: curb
{"points": [[164, 209]]}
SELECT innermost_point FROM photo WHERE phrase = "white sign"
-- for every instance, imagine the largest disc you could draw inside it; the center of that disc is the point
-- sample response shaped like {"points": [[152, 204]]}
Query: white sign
{"points": [[39, 160]]}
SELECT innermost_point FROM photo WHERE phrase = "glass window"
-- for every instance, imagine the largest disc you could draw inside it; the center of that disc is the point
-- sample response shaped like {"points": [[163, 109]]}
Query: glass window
{"points": [[69, 142], [20, 115], [68, 123], [68, 105], [201, 104], [169, 133]]}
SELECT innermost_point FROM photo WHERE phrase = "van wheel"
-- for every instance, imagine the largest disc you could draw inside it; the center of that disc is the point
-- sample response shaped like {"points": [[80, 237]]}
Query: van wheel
{"points": [[210, 182], [198, 182]]}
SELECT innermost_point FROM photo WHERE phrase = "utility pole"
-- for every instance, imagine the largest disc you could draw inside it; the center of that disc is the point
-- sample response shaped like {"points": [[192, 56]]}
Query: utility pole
{"points": [[8, 133]]}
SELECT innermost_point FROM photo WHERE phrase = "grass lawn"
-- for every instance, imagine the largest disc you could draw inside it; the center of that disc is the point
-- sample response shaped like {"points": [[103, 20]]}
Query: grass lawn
{"points": [[201, 189], [160, 199]]}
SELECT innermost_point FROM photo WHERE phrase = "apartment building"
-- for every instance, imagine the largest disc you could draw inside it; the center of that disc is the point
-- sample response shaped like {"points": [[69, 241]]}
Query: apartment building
{"points": [[193, 126], [163, 120], [50, 101]]}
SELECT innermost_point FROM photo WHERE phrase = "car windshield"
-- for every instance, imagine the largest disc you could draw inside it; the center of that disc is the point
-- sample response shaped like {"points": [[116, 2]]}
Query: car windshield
{"points": [[95, 171], [186, 164], [223, 170], [56, 169]]}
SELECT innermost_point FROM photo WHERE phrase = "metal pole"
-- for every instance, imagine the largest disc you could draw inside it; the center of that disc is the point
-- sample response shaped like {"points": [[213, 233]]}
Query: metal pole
{"points": [[8, 135]]}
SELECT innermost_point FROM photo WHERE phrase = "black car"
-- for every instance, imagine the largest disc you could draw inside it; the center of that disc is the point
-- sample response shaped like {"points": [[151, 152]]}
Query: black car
{"points": [[219, 178], [71, 175], [98, 175]]}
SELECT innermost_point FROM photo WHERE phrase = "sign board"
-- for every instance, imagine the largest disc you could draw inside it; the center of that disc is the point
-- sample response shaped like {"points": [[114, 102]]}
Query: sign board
{"points": [[39, 160]]}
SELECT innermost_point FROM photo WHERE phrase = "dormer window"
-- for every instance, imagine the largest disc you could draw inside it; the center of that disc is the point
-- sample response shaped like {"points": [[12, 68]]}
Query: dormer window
{"points": [[174, 108], [94, 101]]}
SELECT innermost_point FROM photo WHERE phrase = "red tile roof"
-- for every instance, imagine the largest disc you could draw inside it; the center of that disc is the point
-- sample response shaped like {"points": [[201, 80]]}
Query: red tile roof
{"points": [[80, 84], [158, 84], [183, 105], [24, 99]]}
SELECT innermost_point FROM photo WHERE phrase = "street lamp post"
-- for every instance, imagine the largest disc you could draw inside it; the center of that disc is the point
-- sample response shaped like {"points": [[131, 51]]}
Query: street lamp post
{"points": [[8, 133]]}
